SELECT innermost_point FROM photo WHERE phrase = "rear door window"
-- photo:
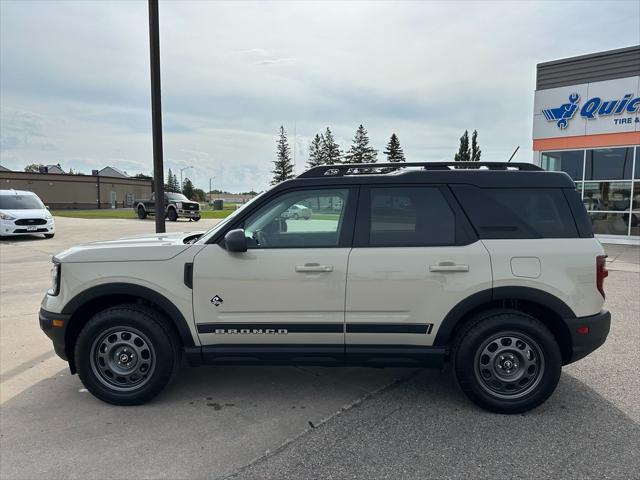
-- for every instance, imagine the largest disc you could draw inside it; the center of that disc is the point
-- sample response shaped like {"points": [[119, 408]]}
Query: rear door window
{"points": [[517, 213], [409, 216]]}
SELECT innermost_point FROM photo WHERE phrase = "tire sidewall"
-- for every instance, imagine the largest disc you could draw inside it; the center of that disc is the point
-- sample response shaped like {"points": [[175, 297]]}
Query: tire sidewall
{"points": [[172, 215], [465, 357], [164, 348]]}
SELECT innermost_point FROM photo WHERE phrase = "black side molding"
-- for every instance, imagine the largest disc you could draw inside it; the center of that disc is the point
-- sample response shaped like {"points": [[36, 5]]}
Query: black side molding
{"points": [[188, 274]]}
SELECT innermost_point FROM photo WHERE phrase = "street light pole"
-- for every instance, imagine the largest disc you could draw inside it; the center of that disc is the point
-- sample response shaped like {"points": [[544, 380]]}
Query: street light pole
{"points": [[156, 114]]}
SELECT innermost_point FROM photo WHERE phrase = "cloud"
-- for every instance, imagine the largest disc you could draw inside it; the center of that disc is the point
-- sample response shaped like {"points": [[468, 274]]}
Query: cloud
{"points": [[74, 82]]}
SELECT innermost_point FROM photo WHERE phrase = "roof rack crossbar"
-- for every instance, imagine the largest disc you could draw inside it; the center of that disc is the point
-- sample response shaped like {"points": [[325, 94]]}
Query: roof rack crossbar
{"points": [[342, 169]]}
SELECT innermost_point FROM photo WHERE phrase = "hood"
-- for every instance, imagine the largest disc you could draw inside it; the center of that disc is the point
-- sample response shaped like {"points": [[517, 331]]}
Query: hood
{"points": [[27, 213], [162, 246]]}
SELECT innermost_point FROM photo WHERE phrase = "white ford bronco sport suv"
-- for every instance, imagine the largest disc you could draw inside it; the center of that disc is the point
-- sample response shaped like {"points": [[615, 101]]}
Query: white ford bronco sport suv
{"points": [[489, 267]]}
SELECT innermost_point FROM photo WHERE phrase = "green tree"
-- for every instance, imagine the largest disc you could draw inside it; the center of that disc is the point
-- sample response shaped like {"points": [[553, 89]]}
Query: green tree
{"points": [[360, 151], [282, 166], [464, 154], [33, 167], [187, 189], [394, 150], [199, 195], [316, 152], [331, 153], [172, 184], [475, 148]]}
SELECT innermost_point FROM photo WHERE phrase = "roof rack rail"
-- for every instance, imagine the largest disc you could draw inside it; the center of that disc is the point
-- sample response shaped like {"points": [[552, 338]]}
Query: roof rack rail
{"points": [[342, 169]]}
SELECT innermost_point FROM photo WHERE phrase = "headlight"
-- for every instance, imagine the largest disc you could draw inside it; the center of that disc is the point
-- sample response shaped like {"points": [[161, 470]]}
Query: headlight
{"points": [[5, 216], [179, 204], [48, 215], [55, 279]]}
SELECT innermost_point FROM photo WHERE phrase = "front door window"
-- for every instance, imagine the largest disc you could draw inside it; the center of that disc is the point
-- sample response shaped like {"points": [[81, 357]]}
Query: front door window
{"points": [[305, 219]]}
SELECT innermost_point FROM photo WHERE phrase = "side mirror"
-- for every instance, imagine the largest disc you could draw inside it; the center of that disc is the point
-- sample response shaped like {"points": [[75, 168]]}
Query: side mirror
{"points": [[235, 240]]}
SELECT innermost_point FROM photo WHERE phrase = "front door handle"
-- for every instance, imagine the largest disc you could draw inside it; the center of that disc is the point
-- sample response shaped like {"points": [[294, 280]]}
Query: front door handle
{"points": [[313, 268], [448, 267]]}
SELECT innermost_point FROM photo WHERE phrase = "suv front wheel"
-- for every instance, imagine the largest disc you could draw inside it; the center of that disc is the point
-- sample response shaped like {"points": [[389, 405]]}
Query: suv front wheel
{"points": [[506, 361], [125, 355]]}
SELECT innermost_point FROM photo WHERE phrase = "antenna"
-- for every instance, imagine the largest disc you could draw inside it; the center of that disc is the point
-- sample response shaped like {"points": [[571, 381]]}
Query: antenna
{"points": [[513, 154]]}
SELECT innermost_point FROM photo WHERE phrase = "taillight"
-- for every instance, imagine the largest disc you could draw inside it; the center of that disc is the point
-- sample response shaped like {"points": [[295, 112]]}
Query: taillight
{"points": [[601, 273]]}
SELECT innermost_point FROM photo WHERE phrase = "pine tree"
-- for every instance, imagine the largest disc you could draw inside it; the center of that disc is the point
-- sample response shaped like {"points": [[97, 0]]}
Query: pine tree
{"points": [[167, 184], [360, 151], [187, 189], [394, 151], [475, 148], [316, 152], [283, 168], [331, 153], [464, 154]]}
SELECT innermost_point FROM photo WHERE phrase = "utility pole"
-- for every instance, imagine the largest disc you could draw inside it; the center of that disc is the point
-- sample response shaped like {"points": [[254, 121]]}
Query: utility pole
{"points": [[156, 114]]}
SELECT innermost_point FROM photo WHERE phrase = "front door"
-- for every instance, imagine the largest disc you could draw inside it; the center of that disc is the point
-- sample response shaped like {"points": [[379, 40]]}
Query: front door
{"points": [[283, 299]]}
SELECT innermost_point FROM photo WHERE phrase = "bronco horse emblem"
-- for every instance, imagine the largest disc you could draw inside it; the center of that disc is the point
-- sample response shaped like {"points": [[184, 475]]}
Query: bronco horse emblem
{"points": [[564, 113]]}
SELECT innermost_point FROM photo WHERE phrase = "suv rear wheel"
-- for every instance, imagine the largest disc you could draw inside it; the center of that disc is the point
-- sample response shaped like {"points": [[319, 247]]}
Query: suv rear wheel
{"points": [[506, 361], [125, 356]]}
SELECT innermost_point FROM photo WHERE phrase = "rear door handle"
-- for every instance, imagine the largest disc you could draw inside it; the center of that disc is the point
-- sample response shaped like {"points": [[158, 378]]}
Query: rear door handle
{"points": [[313, 268], [448, 267]]}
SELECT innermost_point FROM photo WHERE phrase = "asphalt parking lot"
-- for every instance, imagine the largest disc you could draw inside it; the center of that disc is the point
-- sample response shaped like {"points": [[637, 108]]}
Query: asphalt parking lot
{"points": [[303, 422]]}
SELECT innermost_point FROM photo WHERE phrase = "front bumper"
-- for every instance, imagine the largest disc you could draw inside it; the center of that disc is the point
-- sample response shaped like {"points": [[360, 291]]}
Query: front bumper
{"points": [[588, 333], [9, 228], [188, 213], [54, 325]]}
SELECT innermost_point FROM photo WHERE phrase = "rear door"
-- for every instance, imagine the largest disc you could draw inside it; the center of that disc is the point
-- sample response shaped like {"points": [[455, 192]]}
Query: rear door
{"points": [[414, 258]]}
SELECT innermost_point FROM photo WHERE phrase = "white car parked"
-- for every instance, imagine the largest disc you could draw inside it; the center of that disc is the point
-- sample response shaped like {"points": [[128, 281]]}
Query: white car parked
{"points": [[23, 213]]}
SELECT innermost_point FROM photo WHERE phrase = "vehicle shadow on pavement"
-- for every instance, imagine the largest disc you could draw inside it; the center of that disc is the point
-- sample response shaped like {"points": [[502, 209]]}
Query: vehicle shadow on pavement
{"points": [[23, 238], [213, 421]]}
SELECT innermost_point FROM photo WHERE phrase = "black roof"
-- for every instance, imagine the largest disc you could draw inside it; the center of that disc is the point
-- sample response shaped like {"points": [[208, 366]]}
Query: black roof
{"points": [[481, 174]]}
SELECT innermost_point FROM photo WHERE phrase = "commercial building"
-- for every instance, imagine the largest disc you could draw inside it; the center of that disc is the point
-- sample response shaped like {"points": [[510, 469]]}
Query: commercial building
{"points": [[66, 191], [587, 124]]}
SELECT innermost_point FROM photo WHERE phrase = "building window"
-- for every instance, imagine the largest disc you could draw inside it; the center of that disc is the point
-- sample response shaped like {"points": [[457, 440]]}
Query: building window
{"points": [[610, 196], [609, 184], [609, 164], [567, 161]]}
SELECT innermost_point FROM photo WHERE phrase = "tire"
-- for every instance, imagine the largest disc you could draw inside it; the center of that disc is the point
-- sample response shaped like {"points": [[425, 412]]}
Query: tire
{"points": [[49, 235], [196, 219], [142, 214], [506, 361], [295, 216], [136, 334], [172, 215]]}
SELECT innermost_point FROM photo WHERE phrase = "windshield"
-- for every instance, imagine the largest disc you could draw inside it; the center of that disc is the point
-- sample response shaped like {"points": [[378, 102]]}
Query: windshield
{"points": [[228, 220], [20, 202], [177, 196]]}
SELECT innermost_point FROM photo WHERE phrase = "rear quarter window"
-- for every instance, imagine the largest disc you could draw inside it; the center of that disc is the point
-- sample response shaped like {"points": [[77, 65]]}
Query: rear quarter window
{"points": [[499, 213]]}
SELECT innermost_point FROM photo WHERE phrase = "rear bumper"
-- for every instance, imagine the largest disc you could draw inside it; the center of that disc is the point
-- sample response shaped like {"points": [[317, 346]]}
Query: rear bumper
{"points": [[55, 331], [584, 343]]}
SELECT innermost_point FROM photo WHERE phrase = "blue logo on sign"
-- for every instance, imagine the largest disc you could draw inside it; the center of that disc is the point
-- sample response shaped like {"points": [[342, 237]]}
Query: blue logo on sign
{"points": [[593, 108], [563, 113]]}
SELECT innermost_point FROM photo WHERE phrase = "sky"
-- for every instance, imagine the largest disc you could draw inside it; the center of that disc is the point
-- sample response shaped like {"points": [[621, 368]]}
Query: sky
{"points": [[74, 78]]}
